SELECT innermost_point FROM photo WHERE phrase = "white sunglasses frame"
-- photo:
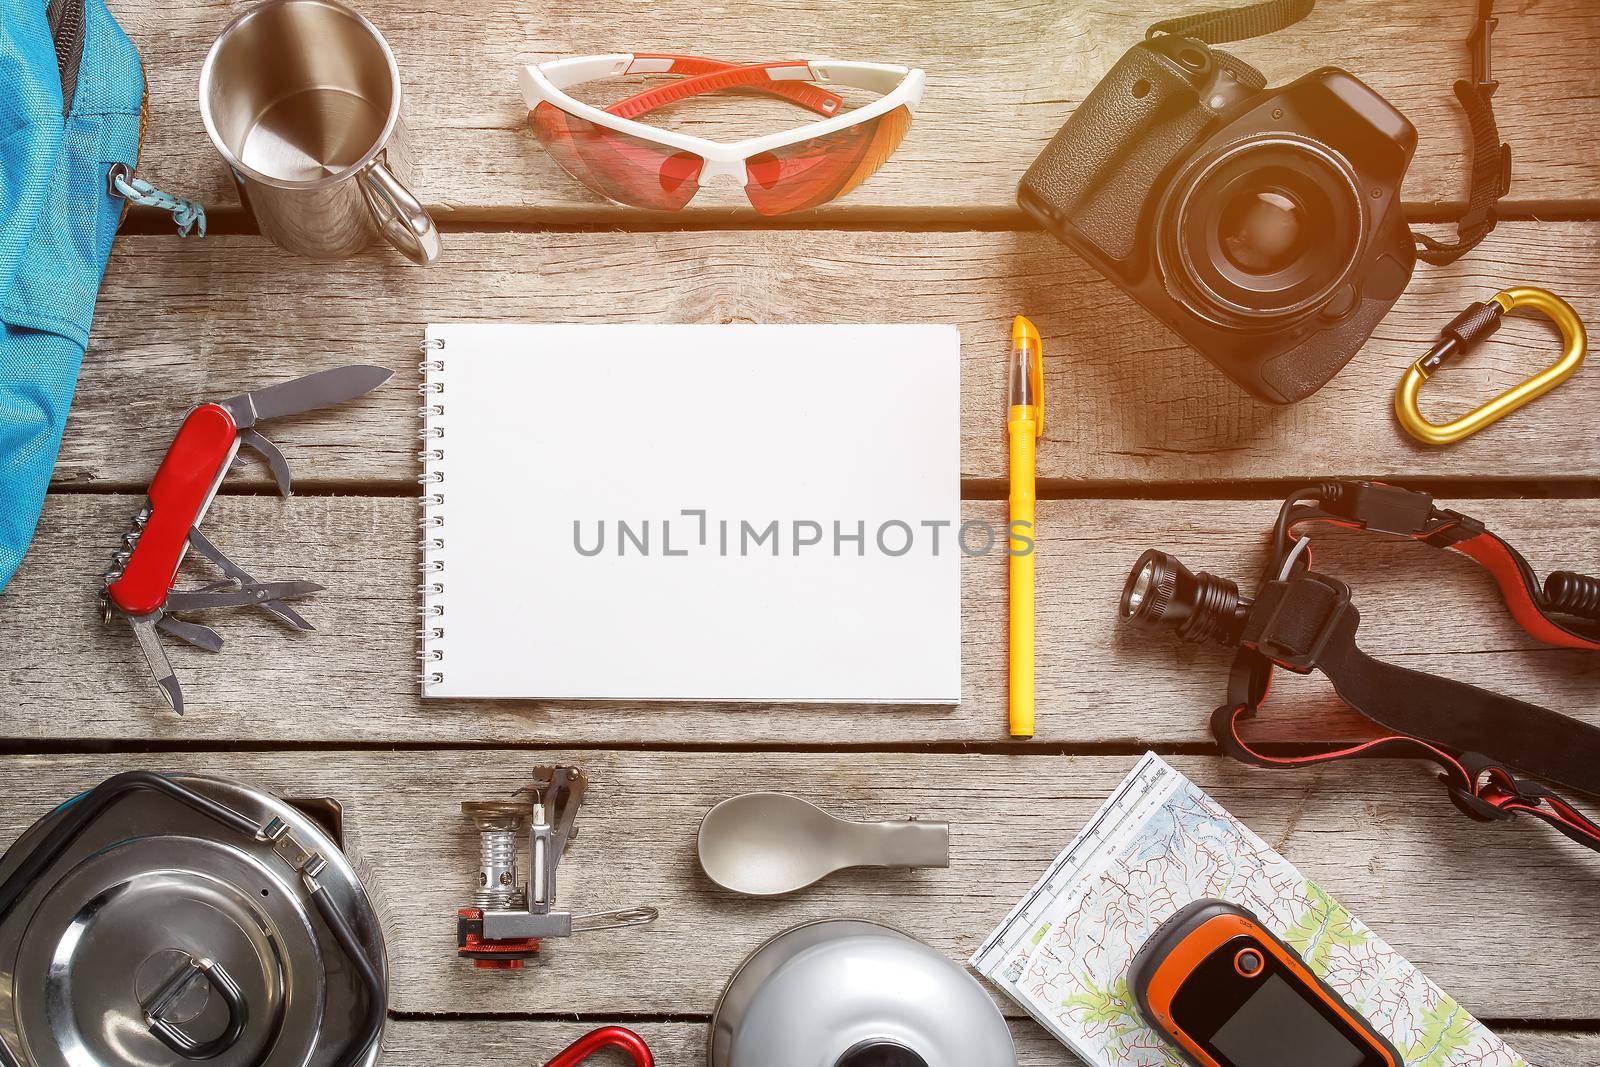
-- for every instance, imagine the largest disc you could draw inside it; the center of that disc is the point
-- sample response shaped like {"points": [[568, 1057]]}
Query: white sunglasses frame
{"points": [[545, 82]]}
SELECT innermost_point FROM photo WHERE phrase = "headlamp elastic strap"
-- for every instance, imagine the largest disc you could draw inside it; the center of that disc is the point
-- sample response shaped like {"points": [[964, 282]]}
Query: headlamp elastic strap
{"points": [[1294, 621], [1563, 611], [1304, 621], [1481, 789]]}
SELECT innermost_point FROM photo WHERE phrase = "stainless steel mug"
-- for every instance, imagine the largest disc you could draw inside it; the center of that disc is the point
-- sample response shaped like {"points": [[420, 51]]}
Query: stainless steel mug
{"points": [[302, 98]]}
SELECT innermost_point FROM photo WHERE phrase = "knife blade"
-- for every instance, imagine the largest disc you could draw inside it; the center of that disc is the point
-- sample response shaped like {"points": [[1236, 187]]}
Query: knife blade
{"points": [[269, 452], [320, 390], [245, 597]]}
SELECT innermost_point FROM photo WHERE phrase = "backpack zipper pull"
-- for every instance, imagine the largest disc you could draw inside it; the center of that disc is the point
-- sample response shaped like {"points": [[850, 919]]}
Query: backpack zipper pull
{"points": [[188, 214]]}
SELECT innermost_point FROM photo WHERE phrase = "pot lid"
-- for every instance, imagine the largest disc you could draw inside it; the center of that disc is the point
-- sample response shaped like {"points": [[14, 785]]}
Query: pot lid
{"points": [[162, 937], [850, 993], [117, 931]]}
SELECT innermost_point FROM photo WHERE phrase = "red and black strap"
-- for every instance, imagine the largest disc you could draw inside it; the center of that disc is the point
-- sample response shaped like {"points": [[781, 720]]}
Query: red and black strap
{"points": [[1304, 621], [1552, 612], [1535, 607], [1481, 789]]}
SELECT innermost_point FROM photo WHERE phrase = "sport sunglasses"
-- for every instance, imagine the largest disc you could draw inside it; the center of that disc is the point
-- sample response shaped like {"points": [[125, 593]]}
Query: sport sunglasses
{"points": [[642, 166]]}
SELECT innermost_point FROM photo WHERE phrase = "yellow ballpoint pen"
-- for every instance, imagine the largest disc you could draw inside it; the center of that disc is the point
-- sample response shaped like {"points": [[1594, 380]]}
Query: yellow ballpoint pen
{"points": [[1024, 427]]}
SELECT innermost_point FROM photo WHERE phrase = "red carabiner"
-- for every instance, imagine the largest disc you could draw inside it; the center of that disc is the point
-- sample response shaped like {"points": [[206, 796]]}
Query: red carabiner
{"points": [[606, 1037]]}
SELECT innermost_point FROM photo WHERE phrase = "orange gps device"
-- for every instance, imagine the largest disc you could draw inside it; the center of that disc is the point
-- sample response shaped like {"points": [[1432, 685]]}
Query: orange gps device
{"points": [[1228, 993]]}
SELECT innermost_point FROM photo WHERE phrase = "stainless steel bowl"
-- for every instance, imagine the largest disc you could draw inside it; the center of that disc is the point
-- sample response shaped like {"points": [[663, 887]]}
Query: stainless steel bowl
{"points": [[851, 993], [156, 922]]}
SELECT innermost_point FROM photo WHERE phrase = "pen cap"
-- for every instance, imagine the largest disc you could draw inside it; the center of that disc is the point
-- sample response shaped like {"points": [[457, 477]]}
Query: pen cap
{"points": [[1026, 386]]}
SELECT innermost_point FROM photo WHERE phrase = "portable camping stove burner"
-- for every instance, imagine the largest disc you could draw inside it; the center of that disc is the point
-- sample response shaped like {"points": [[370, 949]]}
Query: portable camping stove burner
{"points": [[508, 919]]}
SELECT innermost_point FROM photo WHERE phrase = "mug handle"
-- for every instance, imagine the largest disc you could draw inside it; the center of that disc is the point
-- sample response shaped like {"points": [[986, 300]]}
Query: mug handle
{"points": [[401, 217]]}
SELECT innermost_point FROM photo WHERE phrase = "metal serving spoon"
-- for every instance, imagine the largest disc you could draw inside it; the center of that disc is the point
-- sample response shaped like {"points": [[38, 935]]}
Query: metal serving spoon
{"points": [[764, 844]]}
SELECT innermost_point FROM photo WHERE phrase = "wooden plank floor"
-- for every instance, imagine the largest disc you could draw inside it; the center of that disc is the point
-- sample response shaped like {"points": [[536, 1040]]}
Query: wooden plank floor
{"points": [[1148, 447], [1002, 74], [1134, 404]]}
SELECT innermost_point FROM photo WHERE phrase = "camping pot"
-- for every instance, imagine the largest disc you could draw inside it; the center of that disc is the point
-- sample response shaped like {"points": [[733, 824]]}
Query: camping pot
{"points": [[157, 921], [302, 98], [850, 993]]}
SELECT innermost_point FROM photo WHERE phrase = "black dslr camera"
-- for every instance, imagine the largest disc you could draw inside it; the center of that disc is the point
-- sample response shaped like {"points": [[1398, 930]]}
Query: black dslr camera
{"points": [[1263, 225]]}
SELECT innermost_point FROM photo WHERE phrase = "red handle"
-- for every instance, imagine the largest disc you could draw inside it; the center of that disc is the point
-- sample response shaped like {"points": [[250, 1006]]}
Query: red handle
{"points": [[606, 1037], [179, 493]]}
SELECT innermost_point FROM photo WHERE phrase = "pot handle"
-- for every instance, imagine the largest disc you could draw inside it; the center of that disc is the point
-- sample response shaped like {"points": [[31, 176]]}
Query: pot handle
{"points": [[400, 215], [176, 1039]]}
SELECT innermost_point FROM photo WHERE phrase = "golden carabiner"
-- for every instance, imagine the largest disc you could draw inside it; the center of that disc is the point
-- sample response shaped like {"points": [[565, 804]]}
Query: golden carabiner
{"points": [[1466, 330]]}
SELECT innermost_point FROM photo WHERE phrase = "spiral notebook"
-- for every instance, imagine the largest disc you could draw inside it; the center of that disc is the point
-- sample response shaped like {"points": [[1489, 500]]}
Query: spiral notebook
{"points": [[720, 513]]}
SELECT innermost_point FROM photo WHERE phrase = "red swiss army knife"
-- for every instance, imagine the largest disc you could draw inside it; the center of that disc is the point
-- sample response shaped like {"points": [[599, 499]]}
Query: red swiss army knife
{"points": [[139, 588]]}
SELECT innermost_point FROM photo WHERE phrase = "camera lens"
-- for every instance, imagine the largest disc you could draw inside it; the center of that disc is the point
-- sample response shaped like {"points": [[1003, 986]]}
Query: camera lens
{"points": [[1162, 594], [1264, 232], [1266, 229]]}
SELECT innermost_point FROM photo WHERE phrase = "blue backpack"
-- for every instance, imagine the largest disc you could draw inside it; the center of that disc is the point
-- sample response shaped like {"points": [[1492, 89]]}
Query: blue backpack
{"points": [[71, 97]]}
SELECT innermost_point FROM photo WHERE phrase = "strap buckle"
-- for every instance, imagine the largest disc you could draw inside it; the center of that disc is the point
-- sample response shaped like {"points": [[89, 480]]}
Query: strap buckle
{"points": [[1480, 44], [1475, 806], [1383, 508], [1485, 791], [1295, 619], [1452, 528]]}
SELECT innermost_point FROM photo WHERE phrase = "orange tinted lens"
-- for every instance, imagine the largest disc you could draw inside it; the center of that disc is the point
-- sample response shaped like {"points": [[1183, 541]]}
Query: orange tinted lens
{"points": [[618, 166], [812, 172]]}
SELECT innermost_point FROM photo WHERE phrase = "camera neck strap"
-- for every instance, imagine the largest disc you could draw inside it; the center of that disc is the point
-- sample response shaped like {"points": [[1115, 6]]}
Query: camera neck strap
{"points": [[1496, 752], [1490, 177]]}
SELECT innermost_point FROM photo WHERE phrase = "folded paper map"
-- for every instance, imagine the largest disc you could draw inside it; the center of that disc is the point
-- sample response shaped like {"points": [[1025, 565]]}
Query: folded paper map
{"points": [[1158, 844]]}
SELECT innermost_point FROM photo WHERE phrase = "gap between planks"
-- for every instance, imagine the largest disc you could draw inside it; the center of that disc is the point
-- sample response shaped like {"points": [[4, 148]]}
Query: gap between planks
{"points": [[1129, 404], [1381, 839], [150, 222], [1098, 682], [424, 1041], [1576, 488]]}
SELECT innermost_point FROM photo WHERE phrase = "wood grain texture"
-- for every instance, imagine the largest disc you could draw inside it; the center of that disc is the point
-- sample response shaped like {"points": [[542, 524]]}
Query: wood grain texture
{"points": [[1002, 77], [1499, 917], [1127, 401], [1098, 681], [1386, 845], [436, 1043]]}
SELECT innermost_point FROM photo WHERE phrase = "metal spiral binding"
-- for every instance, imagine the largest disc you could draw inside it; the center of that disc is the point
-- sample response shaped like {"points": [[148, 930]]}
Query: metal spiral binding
{"points": [[431, 566]]}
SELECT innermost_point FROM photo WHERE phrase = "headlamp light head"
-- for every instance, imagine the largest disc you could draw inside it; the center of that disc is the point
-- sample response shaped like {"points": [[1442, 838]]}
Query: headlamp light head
{"points": [[1162, 594]]}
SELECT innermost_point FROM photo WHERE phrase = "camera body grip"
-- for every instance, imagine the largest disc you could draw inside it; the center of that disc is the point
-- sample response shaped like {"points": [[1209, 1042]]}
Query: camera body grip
{"points": [[1102, 168]]}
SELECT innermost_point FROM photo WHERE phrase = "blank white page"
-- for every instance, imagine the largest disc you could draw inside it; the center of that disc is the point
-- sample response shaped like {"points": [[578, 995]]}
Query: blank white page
{"points": [[628, 513]]}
